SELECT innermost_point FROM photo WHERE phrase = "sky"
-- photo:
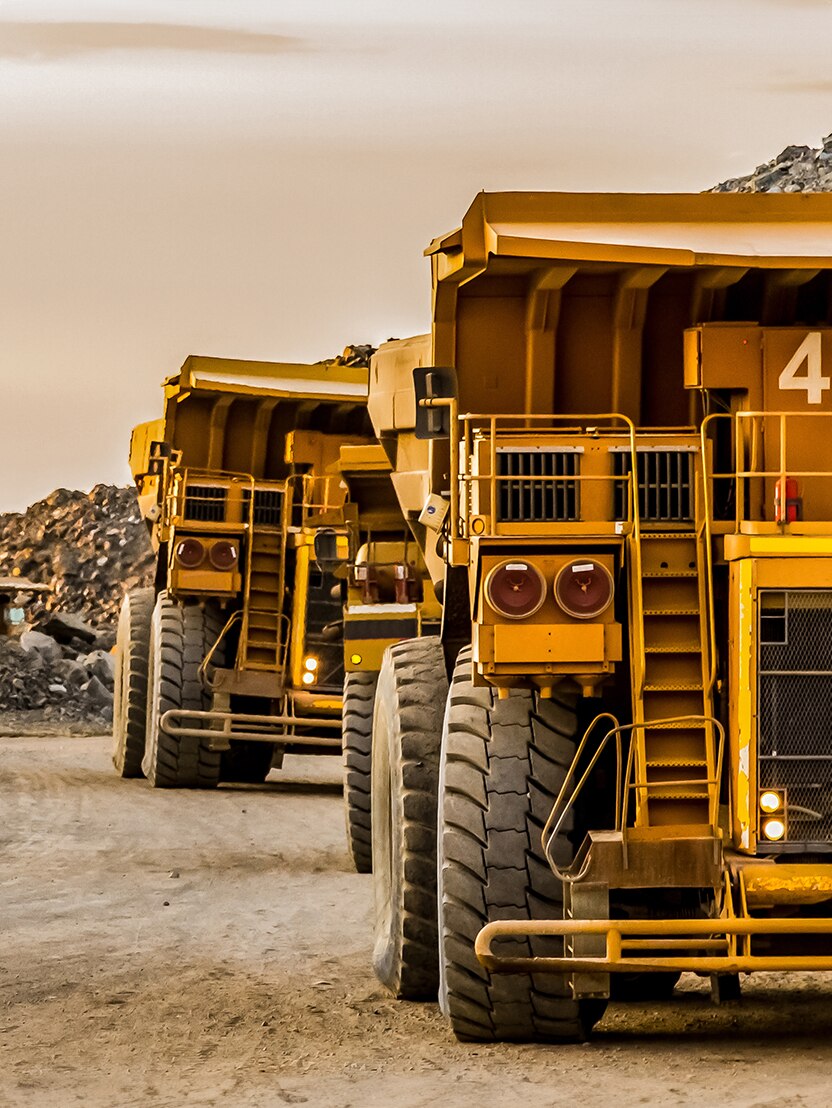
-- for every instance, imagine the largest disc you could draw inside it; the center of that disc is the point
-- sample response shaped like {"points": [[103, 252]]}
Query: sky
{"points": [[259, 178]]}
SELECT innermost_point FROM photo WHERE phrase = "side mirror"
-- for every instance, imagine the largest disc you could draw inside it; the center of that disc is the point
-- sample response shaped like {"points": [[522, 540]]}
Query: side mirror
{"points": [[433, 383], [332, 549]]}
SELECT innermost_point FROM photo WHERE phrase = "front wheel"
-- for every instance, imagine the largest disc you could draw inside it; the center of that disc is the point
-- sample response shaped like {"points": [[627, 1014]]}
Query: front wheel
{"points": [[180, 637], [502, 765], [407, 726], [357, 741], [130, 697]]}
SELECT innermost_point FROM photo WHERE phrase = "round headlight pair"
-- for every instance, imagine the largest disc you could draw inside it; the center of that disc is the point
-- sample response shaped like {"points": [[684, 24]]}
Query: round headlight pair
{"points": [[190, 553], [517, 589]]}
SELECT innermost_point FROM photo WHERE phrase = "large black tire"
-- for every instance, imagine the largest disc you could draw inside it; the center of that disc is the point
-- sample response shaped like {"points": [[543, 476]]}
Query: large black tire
{"points": [[357, 740], [130, 698], [407, 729], [503, 762], [180, 637], [246, 762]]}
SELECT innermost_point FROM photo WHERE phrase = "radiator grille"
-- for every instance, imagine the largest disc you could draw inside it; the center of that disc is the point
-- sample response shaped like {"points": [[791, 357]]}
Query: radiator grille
{"points": [[665, 484], [530, 497], [268, 506], [795, 708], [205, 503]]}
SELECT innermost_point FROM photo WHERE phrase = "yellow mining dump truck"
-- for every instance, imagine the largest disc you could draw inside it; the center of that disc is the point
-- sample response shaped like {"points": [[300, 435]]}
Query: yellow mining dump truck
{"points": [[235, 657], [617, 448], [388, 597]]}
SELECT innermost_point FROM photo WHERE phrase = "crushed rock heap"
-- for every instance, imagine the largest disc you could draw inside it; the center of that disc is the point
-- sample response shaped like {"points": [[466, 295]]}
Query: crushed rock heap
{"points": [[796, 169], [89, 548]]}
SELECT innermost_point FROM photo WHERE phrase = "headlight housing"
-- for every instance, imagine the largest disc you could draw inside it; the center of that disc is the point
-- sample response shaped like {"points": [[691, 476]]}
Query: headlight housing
{"points": [[515, 589], [190, 553], [223, 555], [584, 588]]}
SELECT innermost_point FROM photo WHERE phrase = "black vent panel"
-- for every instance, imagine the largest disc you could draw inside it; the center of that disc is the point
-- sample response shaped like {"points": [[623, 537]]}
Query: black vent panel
{"points": [[795, 709], [205, 503], [527, 493], [665, 485], [268, 506]]}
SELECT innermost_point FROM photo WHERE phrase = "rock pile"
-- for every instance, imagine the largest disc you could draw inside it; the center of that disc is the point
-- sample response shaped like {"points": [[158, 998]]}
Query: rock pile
{"points": [[796, 169], [88, 548]]}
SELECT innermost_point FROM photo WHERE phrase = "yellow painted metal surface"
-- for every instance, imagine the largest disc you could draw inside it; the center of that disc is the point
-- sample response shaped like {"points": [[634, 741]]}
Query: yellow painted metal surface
{"points": [[769, 886]]}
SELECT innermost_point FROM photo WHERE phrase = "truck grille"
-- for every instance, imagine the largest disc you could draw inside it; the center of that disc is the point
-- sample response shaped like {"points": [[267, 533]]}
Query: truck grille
{"points": [[795, 711], [530, 497], [268, 506], [205, 503], [665, 485]]}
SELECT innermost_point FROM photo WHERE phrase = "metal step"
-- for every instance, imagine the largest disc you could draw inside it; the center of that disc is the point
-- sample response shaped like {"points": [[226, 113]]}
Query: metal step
{"points": [[671, 611], [674, 686], [676, 762], [675, 648], [669, 574]]}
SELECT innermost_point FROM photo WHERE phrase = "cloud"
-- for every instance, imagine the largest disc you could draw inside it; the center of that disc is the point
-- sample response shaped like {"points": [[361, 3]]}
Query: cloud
{"points": [[821, 86], [38, 41]]}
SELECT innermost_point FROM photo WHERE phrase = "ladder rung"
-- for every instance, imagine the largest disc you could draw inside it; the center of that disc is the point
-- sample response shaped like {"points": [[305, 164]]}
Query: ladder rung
{"points": [[670, 574], [674, 686], [689, 535], [675, 648], [677, 762], [692, 725], [262, 644], [671, 611]]}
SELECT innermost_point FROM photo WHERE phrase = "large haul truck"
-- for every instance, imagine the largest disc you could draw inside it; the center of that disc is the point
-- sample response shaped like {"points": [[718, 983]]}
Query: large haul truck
{"points": [[235, 656], [614, 451]]}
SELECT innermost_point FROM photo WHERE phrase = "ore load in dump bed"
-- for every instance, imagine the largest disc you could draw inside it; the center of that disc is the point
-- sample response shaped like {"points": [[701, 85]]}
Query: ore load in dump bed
{"points": [[614, 451], [795, 169], [234, 657]]}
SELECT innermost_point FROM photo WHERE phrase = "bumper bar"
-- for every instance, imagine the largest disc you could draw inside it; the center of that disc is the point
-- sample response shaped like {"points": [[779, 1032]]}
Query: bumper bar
{"points": [[253, 728], [652, 946]]}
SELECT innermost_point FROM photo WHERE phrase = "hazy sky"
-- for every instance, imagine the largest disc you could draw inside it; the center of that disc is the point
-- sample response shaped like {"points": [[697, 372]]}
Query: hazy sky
{"points": [[258, 178]]}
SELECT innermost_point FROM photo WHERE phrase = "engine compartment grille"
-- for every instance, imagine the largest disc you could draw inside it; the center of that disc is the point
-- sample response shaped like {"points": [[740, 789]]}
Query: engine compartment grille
{"points": [[795, 710], [665, 484], [268, 506], [205, 503], [530, 496]]}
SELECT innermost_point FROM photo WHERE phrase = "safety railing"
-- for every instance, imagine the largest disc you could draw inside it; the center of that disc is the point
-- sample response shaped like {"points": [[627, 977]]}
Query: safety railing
{"points": [[483, 436], [317, 495], [204, 497], [659, 945], [749, 433], [625, 785]]}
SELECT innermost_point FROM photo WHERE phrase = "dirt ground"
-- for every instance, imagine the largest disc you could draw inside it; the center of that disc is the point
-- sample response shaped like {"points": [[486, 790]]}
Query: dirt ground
{"points": [[214, 949]]}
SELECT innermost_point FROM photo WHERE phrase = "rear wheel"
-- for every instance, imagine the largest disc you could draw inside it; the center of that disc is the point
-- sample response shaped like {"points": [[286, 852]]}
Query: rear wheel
{"points": [[407, 727], [130, 703], [180, 638], [357, 735], [503, 762], [246, 762]]}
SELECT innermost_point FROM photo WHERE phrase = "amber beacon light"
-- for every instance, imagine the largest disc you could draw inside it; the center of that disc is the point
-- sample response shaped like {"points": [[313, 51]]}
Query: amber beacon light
{"points": [[584, 588], [515, 589]]}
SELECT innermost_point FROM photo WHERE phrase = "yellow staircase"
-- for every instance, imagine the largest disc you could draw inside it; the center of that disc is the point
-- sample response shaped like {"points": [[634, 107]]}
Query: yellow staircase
{"points": [[670, 655], [262, 648]]}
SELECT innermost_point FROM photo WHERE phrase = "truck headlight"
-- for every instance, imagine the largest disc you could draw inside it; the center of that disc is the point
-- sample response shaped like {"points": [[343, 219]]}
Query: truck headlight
{"points": [[190, 553], [515, 589], [584, 588], [223, 555], [770, 801], [774, 829]]}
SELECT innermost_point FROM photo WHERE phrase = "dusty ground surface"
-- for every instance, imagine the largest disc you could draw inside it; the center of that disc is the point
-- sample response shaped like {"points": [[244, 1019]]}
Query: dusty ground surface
{"points": [[213, 949]]}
